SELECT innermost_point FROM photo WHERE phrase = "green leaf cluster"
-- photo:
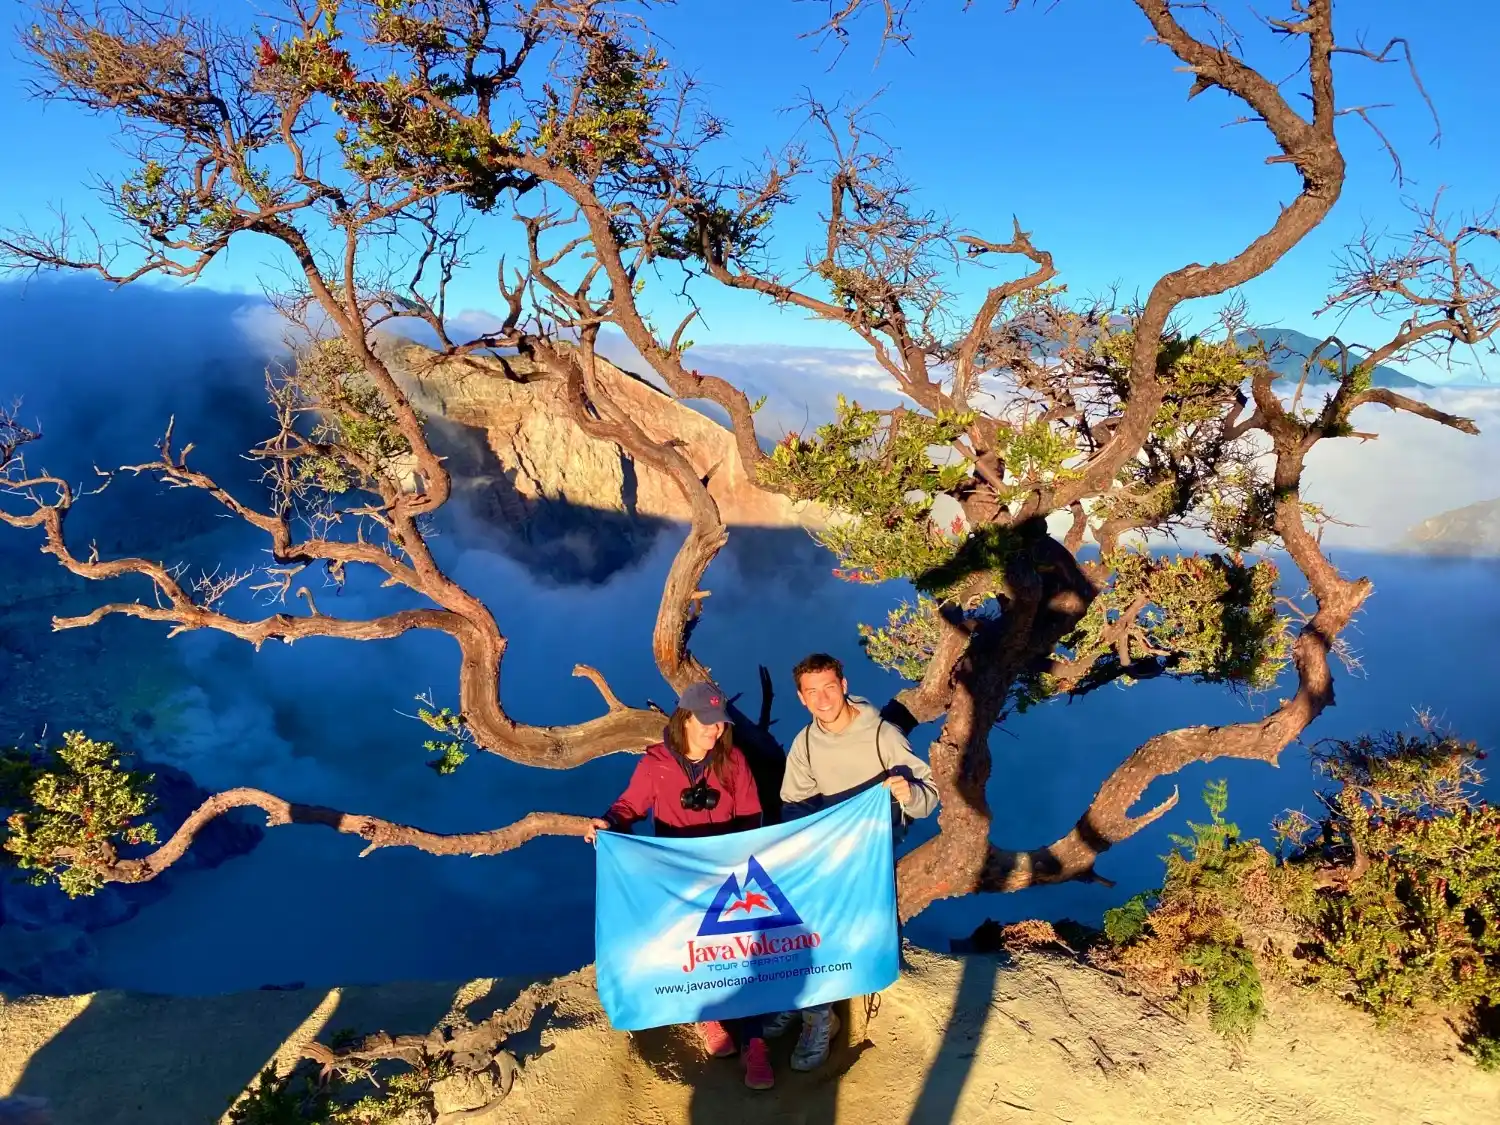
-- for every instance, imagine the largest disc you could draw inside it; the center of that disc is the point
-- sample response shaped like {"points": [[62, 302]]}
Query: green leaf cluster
{"points": [[873, 468], [291, 1100], [1423, 923], [1209, 618], [302, 1097], [1482, 1039], [1193, 470], [314, 59], [1225, 982], [350, 417], [451, 750], [1128, 921], [407, 127], [1361, 378], [168, 206], [1035, 453], [1215, 616], [727, 233], [396, 23], [399, 128], [867, 461], [148, 197], [1188, 937], [906, 642], [74, 805], [1198, 376], [1240, 507], [608, 122]]}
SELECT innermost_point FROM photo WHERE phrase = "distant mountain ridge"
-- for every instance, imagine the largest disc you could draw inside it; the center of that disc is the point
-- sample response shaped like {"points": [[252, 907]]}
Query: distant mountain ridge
{"points": [[1470, 531], [1290, 350]]}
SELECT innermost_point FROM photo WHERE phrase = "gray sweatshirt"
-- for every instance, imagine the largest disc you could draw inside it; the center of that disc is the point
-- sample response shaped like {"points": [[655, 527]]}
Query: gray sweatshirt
{"points": [[821, 764]]}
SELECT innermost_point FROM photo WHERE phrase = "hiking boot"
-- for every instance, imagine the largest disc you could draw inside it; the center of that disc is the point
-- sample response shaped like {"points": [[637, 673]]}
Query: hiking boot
{"points": [[719, 1042], [778, 1025], [758, 1074], [818, 1030]]}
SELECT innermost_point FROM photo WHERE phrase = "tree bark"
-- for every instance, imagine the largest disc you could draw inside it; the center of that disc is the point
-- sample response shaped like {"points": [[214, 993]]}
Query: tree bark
{"points": [[374, 831]]}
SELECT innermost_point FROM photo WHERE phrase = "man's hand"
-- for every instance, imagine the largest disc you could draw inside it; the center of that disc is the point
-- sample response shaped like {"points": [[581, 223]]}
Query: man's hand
{"points": [[591, 833], [900, 788]]}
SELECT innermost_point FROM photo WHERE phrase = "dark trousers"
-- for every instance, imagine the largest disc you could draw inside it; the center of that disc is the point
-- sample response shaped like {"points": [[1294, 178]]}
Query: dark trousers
{"points": [[746, 1028]]}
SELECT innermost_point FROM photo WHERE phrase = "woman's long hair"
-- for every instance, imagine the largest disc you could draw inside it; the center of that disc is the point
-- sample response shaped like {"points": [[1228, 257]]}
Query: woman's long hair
{"points": [[718, 757]]}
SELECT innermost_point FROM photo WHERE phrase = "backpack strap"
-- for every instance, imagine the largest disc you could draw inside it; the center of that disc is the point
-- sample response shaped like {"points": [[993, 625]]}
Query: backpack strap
{"points": [[886, 766]]}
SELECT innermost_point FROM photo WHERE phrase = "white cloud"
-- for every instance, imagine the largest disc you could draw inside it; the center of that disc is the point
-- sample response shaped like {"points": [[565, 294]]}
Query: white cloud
{"points": [[470, 324], [1414, 469], [263, 328], [800, 384]]}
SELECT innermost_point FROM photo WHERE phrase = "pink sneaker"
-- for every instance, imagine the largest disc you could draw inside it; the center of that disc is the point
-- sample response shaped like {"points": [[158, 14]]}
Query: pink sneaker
{"points": [[758, 1074], [719, 1042]]}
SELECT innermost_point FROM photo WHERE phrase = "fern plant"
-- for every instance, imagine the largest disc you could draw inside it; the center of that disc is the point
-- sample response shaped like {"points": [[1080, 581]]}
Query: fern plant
{"points": [[1185, 937]]}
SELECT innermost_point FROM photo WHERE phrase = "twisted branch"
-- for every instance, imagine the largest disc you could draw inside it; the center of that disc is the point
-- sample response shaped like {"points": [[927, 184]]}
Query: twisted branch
{"points": [[1108, 820], [480, 643], [375, 832]]}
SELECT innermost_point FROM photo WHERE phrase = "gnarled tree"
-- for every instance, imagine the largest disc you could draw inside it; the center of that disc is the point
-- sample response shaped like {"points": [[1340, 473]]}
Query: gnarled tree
{"points": [[361, 135]]}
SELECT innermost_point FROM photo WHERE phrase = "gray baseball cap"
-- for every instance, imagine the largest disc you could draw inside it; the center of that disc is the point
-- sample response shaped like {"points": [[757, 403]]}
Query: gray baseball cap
{"points": [[706, 702]]}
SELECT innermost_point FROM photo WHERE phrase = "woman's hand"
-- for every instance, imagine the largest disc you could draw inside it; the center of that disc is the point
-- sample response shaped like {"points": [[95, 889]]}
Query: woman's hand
{"points": [[592, 832]]}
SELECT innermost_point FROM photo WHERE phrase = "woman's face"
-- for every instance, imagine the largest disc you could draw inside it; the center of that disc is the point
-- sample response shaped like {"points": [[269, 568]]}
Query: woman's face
{"points": [[701, 737]]}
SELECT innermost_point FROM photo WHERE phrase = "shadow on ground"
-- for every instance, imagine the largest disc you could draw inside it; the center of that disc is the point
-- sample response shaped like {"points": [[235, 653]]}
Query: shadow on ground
{"points": [[950, 1069], [718, 1085], [719, 1094], [142, 1060], [125, 1059]]}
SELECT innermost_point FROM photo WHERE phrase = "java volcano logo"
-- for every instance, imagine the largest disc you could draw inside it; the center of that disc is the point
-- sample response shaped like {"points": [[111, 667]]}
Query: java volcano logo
{"points": [[754, 906], [748, 910]]}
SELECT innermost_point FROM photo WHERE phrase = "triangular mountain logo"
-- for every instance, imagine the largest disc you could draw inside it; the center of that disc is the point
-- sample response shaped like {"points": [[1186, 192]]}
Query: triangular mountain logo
{"points": [[753, 907]]}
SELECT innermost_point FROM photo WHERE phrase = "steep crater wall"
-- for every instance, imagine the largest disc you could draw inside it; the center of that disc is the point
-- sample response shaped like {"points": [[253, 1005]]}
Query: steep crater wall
{"points": [[569, 506]]}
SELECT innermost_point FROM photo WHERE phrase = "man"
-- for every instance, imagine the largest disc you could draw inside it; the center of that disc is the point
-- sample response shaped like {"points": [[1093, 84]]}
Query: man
{"points": [[845, 750]]}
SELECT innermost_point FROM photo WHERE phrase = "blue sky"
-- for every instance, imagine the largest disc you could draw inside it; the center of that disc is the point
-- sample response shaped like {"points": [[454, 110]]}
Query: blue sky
{"points": [[1066, 118]]}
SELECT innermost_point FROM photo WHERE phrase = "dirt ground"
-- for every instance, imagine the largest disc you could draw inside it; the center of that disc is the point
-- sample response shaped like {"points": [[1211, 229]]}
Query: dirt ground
{"points": [[1032, 1039]]}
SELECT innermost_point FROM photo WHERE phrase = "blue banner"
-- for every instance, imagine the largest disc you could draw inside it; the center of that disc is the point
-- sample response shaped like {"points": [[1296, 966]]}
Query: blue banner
{"points": [[776, 918]]}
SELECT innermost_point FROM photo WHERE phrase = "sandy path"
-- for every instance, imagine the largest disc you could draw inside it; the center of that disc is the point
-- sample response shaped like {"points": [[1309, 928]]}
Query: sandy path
{"points": [[1038, 1040]]}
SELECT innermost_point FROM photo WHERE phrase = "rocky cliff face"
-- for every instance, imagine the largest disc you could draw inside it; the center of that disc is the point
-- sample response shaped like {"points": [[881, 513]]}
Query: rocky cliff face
{"points": [[575, 508], [1470, 531]]}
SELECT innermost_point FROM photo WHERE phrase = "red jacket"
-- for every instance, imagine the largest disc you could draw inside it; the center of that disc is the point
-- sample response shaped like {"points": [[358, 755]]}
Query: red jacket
{"points": [[656, 787]]}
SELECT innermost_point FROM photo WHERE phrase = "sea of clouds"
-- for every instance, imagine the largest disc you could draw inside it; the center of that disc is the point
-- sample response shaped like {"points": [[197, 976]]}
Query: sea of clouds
{"points": [[327, 722]]}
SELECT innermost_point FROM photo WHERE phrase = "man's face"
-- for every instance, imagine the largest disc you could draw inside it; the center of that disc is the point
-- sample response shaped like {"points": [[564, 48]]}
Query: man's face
{"points": [[823, 694]]}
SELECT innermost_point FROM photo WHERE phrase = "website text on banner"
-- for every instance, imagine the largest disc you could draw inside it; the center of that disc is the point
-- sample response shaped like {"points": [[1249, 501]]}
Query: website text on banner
{"points": [[775, 918]]}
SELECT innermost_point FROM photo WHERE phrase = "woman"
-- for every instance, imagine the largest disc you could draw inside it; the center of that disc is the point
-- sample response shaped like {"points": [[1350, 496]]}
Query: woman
{"points": [[697, 783]]}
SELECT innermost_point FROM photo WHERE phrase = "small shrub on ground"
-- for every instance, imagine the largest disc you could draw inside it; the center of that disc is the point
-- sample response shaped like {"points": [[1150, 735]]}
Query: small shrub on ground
{"points": [[1187, 937], [1391, 899], [1420, 925], [293, 1100], [1486, 1052], [1482, 1039], [1225, 983], [303, 1098]]}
